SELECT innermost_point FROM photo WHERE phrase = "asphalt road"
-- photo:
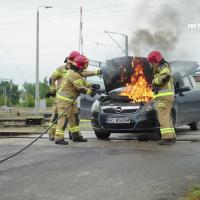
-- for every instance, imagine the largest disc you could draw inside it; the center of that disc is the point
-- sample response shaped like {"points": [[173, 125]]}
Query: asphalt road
{"points": [[118, 169]]}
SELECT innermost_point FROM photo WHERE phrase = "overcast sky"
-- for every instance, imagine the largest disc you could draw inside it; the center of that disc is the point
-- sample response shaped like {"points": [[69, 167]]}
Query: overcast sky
{"points": [[59, 31]]}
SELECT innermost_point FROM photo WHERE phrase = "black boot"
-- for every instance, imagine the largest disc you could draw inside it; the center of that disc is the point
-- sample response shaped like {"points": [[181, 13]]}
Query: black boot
{"points": [[70, 135], [62, 142], [167, 141], [78, 138]]}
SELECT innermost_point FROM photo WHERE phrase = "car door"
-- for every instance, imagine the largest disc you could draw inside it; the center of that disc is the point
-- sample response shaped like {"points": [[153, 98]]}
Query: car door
{"points": [[195, 104], [187, 103]]}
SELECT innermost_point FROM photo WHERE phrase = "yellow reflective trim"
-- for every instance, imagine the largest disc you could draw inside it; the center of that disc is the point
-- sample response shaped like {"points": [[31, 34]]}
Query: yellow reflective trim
{"points": [[64, 98], [63, 74], [167, 131], [74, 129], [163, 94], [156, 81], [78, 81], [66, 73], [165, 71], [165, 128], [57, 73], [59, 131]]}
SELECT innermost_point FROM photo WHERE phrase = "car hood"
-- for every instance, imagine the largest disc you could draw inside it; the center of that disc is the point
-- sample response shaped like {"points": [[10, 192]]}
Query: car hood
{"points": [[118, 71], [184, 67]]}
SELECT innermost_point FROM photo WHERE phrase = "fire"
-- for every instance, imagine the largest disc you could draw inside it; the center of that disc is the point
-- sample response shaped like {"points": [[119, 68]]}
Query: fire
{"points": [[138, 89]]}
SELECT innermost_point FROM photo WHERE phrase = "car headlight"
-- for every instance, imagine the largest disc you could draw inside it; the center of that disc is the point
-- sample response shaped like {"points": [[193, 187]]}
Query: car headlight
{"points": [[95, 106], [148, 107]]}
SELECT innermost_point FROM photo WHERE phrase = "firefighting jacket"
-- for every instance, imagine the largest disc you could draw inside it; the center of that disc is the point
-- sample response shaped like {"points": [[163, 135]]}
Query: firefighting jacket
{"points": [[56, 77], [71, 86], [163, 81], [58, 74]]}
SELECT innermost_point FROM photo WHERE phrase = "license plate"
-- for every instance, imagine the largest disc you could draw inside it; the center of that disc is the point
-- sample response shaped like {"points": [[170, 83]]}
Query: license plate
{"points": [[119, 120]]}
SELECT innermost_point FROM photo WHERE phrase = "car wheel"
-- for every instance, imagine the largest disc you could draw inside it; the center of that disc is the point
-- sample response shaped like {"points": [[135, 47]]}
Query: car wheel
{"points": [[102, 135], [194, 126], [173, 117]]}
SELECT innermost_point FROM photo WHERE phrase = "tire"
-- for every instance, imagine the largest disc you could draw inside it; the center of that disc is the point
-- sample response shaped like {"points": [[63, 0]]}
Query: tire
{"points": [[173, 116], [102, 135], [194, 126]]}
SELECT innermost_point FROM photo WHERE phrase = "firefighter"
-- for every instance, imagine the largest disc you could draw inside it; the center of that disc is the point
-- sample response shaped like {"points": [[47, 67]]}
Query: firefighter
{"points": [[55, 81], [71, 86], [163, 95]]}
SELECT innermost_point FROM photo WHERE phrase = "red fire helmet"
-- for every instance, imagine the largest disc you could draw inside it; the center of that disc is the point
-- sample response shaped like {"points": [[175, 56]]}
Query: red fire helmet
{"points": [[73, 55], [154, 57], [81, 61]]}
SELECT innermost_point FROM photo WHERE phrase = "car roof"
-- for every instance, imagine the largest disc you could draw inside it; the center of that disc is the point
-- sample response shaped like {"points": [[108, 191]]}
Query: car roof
{"points": [[184, 67]]}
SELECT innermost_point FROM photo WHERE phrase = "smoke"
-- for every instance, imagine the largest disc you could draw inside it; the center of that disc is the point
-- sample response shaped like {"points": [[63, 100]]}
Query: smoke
{"points": [[162, 33]]}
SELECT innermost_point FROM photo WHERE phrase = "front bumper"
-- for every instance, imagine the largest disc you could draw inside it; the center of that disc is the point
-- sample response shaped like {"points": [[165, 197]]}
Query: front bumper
{"points": [[141, 121]]}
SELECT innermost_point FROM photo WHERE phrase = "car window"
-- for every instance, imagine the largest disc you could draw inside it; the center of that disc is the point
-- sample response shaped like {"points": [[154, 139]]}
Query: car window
{"points": [[187, 82], [96, 80], [194, 85]]}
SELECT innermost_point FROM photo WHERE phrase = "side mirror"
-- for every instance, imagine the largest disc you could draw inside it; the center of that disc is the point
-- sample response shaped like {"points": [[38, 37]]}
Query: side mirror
{"points": [[181, 90]]}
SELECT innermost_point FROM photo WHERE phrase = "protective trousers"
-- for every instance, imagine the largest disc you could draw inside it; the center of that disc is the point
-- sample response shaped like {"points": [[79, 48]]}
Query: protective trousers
{"points": [[163, 107], [70, 116], [54, 116]]}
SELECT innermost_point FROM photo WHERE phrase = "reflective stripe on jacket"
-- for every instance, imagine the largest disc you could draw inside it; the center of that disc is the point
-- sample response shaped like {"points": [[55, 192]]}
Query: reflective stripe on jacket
{"points": [[164, 88], [60, 72], [72, 84]]}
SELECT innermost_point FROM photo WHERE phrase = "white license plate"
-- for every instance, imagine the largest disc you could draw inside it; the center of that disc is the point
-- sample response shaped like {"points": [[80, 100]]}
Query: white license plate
{"points": [[119, 120]]}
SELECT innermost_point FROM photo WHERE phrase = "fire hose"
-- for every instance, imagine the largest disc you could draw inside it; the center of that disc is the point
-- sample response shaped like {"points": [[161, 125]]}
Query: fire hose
{"points": [[4, 159]]}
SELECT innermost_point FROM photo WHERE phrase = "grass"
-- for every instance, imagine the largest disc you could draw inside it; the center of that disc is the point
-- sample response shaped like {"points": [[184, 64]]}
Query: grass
{"points": [[194, 194]]}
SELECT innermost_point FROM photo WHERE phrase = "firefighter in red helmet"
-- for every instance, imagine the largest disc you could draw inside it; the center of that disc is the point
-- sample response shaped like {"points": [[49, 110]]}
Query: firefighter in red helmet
{"points": [[163, 88], [55, 81], [71, 86]]}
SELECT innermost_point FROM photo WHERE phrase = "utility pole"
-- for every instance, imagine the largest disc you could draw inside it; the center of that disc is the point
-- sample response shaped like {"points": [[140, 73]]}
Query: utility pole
{"points": [[80, 47], [5, 95], [81, 32], [11, 85], [37, 88]]}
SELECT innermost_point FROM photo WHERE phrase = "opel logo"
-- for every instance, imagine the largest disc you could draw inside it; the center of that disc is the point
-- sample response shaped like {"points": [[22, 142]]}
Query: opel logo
{"points": [[118, 110]]}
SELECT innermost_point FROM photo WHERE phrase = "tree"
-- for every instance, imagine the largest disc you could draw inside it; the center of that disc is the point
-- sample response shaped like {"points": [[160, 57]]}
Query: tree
{"points": [[28, 93], [9, 93], [44, 88], [29, 88]]}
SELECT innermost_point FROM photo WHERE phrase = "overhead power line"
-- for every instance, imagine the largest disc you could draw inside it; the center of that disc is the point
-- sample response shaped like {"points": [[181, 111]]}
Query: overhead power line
{"points": [[13, 62], [101, 10]]}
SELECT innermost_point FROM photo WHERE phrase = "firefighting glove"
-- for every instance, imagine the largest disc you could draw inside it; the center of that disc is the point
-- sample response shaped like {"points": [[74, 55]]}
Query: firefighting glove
{"points": [[99, 72], [92, 93], [96, 86], [50, 94], [166, 79]]}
